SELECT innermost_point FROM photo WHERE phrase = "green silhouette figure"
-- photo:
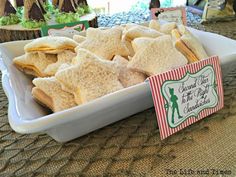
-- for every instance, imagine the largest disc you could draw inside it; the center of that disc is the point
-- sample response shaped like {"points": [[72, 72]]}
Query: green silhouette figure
{"points": [[175, 106]]}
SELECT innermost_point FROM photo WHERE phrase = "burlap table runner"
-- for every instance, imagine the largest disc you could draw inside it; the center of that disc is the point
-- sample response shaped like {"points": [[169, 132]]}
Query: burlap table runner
{"points": [[131, 147]]}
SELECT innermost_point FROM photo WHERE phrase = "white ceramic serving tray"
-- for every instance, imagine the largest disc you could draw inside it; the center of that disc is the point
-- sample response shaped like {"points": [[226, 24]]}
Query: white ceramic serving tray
{"points": [[27, 116]]}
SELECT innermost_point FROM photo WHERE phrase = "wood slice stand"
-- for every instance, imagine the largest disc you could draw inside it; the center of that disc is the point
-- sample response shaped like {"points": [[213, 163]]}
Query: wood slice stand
{"points": [[17, 32]]}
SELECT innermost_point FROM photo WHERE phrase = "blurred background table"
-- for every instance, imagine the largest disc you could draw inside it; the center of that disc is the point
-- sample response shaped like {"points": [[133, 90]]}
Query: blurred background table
{"points": [[131, 147]]}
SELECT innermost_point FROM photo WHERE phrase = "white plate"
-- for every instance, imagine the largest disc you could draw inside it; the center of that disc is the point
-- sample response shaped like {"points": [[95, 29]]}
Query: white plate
{"points": [[26, 116]]}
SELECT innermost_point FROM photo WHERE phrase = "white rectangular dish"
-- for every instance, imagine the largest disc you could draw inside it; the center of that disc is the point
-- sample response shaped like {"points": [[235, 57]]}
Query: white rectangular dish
{"points": [[27, 116]]}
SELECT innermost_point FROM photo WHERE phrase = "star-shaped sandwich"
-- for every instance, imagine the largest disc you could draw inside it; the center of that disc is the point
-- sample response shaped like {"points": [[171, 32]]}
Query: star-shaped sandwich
{"points": [[141, 31], [63, 58], [155, 24], [168, 27], [43, 56], [49, 93], [79, 38], [91, 78], [141, 42], [188, 44], [165, 28], [158, 56], [127, 76], [34, 63], [40, 64], [133, 31], [51, 44], [104, 43]]}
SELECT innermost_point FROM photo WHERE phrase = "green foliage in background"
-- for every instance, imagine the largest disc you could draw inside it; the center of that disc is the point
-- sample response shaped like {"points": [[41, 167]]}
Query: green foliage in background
{"points": [[9, 20], [62, 17], [32, 24]]}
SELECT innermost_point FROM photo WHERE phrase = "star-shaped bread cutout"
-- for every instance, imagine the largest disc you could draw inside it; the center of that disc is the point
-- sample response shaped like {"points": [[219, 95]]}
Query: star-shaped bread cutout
{"points": [[141, 42], [105, 43], [192, 42], [40, 64], [158, 56], [78, 38], [129, 46], [90, 78], [127, 76], [34, 63], [128, 26], [141, 31], [168, 27], [51, 44], [64, 57], [48, 92], [154, 24], [165, 28]]}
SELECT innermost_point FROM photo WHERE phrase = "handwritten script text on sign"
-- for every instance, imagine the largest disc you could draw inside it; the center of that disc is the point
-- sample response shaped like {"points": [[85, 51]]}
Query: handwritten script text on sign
{"points": [[195, 92], [187, 94]]}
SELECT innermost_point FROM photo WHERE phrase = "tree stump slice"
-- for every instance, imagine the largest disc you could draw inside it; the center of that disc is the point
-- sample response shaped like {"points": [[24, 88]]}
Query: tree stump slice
{"points": [[17, 32]]}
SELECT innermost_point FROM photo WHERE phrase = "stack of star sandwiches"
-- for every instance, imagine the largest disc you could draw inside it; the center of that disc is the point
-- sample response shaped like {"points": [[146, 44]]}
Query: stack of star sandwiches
{"points": [[44, 56], [71, 72]]}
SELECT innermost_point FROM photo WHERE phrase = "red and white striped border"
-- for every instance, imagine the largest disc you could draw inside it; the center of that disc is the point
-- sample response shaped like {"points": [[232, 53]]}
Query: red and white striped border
{"points": [[157, 81]]}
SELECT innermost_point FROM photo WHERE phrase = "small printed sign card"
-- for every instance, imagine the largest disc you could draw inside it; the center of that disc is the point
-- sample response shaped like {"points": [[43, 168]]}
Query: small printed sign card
{"points": [[177, 14], [186, 95], [66, 30]]}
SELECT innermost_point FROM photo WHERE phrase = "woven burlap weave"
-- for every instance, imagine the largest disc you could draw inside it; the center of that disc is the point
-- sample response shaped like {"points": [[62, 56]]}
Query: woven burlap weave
{"points": [[131, 147]]}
